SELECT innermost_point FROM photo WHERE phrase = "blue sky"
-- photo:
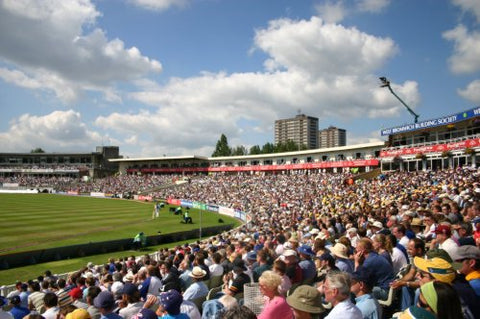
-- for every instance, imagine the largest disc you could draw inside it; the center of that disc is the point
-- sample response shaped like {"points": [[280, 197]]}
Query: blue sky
{"points": [[169, 77]]}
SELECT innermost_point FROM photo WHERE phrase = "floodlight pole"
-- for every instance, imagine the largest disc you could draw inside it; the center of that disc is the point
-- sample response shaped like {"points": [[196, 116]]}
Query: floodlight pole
{"points": [[386, 83]]}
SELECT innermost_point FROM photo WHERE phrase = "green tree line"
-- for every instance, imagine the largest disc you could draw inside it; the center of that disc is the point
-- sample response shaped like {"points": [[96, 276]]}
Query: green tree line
{"points": [[223, 149]]}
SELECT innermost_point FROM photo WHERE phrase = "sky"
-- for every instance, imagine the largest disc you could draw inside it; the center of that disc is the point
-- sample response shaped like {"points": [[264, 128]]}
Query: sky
{"points": [[168, 77]]}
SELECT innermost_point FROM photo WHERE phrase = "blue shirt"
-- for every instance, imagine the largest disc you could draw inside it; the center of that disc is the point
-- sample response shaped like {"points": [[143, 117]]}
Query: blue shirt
{"points": [[381, 270], [196, 290], [369, 307], [345, 265], [111, 315], [19, 312], [309, 270]]}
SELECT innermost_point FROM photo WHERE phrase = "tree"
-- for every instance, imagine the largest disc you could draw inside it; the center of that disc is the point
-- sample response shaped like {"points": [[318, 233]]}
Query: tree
{"points": [[255, 149], [239, 150], [222, 148], [268, 148], [37, 150]]}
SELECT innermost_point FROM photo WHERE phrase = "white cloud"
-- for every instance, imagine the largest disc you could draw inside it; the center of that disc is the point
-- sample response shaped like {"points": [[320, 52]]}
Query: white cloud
{"points": [[160, 5], [471, 92], [472, 6], [373, 6], [57, 50], [57, 131], [325, 70], [465, 58], [331, 12]]}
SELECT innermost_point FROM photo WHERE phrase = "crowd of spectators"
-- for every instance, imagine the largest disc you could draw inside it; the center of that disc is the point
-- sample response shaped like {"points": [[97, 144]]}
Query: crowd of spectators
{"points": [[319, 245]]}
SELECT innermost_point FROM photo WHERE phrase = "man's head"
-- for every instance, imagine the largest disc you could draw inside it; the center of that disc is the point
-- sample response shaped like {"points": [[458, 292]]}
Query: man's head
{"points": [[398, 231], [467, 259], [337, 287], [416, 247], [443, 232]]}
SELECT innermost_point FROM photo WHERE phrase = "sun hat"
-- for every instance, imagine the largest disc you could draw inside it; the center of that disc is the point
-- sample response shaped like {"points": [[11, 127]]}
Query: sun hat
{"points": [[417, 222], [197, 272], [104, 300], [171, 301], [430, 294], [377, 224], [339, 250], [439, 253], [439, 268], [305, 250], [306, 298], [79, 313]]}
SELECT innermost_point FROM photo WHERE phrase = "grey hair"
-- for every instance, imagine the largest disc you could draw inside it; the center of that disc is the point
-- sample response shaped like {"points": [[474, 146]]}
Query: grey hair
{"points": [[341, 281]]}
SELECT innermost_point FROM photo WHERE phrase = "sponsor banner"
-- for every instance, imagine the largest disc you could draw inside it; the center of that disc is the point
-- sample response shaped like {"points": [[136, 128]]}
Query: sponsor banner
{"points": [[226, 211], [19, 191], [199, 205], [212, 208], [240, 215], [145, 198], [173, 201], [438, 148], [450, 119], [97, 194], [72, 193], [186, 203], [319, 165], [10, 185]]}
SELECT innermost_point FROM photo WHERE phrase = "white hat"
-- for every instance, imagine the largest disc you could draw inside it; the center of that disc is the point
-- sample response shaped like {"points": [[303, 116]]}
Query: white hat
{"points": [[289, 252], [339, 250], [314, 231], [197, 272], [377, 224], [352, 229]]}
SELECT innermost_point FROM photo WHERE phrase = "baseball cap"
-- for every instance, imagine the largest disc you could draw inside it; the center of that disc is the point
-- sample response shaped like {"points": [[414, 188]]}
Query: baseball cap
{"points": [[145, 313], [443, 229], [104, 300], [171, 301], [76, 293], [129, 289]]}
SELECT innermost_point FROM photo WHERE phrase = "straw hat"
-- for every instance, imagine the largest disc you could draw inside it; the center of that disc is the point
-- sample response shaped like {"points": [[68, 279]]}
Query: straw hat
{"points": [[197, 273]]}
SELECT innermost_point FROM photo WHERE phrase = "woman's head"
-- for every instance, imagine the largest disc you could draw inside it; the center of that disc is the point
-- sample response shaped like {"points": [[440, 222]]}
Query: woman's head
{"points": [[441, 299], [269, 282]]}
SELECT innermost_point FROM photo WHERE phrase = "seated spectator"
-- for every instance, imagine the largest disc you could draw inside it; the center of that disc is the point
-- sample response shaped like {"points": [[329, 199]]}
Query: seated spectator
{"points": [[362, 287], [17, 311], [275, 305], [306, 302], [131, 302], [198, 288], [105, 303], [337, 292]]}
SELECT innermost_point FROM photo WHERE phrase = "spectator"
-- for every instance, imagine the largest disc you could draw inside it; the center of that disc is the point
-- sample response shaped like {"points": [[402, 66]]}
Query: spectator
{"points": [[275, 305], [337, 292], [306, 302]]}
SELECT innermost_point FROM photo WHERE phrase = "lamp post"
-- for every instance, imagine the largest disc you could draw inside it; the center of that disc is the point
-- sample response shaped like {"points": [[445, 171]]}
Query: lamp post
{"points": [[386, 83]]}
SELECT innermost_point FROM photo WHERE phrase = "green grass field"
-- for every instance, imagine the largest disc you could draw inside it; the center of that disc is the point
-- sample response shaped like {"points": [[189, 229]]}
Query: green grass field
{"points": [[39, 221]]}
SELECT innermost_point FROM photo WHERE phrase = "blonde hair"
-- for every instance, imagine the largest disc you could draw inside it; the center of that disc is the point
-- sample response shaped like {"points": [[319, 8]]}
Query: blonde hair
{"points": [[270, 279]]}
